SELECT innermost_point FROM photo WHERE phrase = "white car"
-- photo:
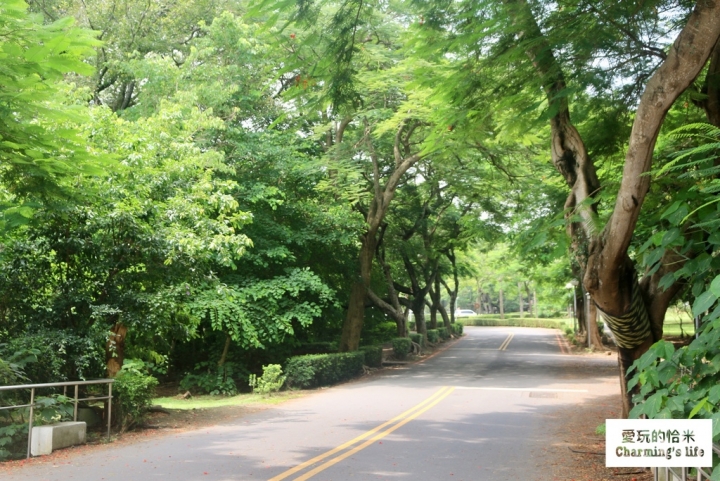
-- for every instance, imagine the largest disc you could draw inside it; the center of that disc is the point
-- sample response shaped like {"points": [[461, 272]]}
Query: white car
{"points": [[464, 313]]}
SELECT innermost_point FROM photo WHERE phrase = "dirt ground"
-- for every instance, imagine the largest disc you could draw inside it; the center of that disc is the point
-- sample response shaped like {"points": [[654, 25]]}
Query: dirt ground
{"points": [[577, 453]]}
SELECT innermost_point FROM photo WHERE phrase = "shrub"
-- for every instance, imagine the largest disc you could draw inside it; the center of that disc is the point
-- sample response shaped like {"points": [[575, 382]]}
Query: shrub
{"points": [[379, 333], [60, 356], [133, 390], [457, 328], [271, 380], [401, 347], [315, 370], [411, 325], [209, 378], [321, 347], [433, 335], [417, 339], [443, 333], [373, 355]]}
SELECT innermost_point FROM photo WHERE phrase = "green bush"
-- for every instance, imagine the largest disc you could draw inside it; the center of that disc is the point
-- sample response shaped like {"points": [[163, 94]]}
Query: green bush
{"points": [[433, 336], [457, 329], [270, 381], [417, 339], [401, 347], [378, 333], [443, 333], [321, 347], [133, 390], [209, 378], [373, 355], [411, 325], [60, 356], [315, 370]]}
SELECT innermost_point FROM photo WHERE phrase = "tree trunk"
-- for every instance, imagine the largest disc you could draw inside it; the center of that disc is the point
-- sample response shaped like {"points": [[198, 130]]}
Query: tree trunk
{"points": [[115, 349], [609, 274], [501, 304], [711, 88], [226, 348], [381, 199], [452, 293], [520, 299], [593, 331], [535, 304], [479, 301], [418, 308], [579, 307]]}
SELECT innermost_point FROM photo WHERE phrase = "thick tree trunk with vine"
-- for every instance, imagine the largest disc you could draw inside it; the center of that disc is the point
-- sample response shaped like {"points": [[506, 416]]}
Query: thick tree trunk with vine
{"points": [[610, 276], [633, 310]]}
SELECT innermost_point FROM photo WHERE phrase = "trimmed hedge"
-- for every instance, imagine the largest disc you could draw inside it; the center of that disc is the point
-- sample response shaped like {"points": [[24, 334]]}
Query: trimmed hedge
{"points": [[443, 333], [457, 329], [314, 370], [401, 347], [433, 336], [524, 322], [373, 355], [417, 338]]}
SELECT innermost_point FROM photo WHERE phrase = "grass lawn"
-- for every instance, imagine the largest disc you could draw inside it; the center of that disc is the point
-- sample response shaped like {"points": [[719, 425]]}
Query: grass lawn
{"points": [[678, 322], [205, 402]]}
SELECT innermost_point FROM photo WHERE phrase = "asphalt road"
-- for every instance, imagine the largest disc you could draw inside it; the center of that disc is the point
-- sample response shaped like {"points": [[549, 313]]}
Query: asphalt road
{"points": [[477, 411]]}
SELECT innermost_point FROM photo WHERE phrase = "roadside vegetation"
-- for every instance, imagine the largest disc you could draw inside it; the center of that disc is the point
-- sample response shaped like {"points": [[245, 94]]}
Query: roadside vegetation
{"points": [[192, 192]]}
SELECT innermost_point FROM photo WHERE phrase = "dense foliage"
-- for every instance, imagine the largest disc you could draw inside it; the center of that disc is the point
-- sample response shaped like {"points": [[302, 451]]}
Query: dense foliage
{"points": [[191, 191]]}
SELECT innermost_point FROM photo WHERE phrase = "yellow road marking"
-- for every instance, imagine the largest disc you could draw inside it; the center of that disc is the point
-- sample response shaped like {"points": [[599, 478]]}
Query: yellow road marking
{"points": [[505, 343], [367, 443], [314, 460]]}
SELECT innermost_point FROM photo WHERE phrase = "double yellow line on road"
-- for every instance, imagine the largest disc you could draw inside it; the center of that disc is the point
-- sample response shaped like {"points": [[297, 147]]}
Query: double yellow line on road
{"points": [[377, 433], [505, 343]]}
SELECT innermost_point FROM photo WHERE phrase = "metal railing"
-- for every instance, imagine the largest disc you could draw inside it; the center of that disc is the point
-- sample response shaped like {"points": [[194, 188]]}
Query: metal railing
{"points": [[683, 474], [65, 385]]}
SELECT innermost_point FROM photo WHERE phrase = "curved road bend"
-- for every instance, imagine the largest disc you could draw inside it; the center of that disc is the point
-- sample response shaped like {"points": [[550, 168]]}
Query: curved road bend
{"points": [[477, 411]]}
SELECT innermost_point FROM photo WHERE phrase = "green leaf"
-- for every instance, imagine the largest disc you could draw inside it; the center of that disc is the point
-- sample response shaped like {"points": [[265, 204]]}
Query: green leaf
{"points": [[698, 407], [715, 286], [704, 302]]}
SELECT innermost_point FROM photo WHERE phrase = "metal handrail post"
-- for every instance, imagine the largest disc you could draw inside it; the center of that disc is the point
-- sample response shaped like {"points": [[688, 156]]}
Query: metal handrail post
{"points": [[109, 401], [64, 385], [30, 421], [76, 403]]}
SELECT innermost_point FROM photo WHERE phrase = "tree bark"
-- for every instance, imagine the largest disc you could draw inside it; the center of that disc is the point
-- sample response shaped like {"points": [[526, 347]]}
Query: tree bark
{"points": [[382, 196], [711, 88], [352, 328], [593, 331], [226, 348], [520, 299], [501, 303], [115, 349], [632, 312]]}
